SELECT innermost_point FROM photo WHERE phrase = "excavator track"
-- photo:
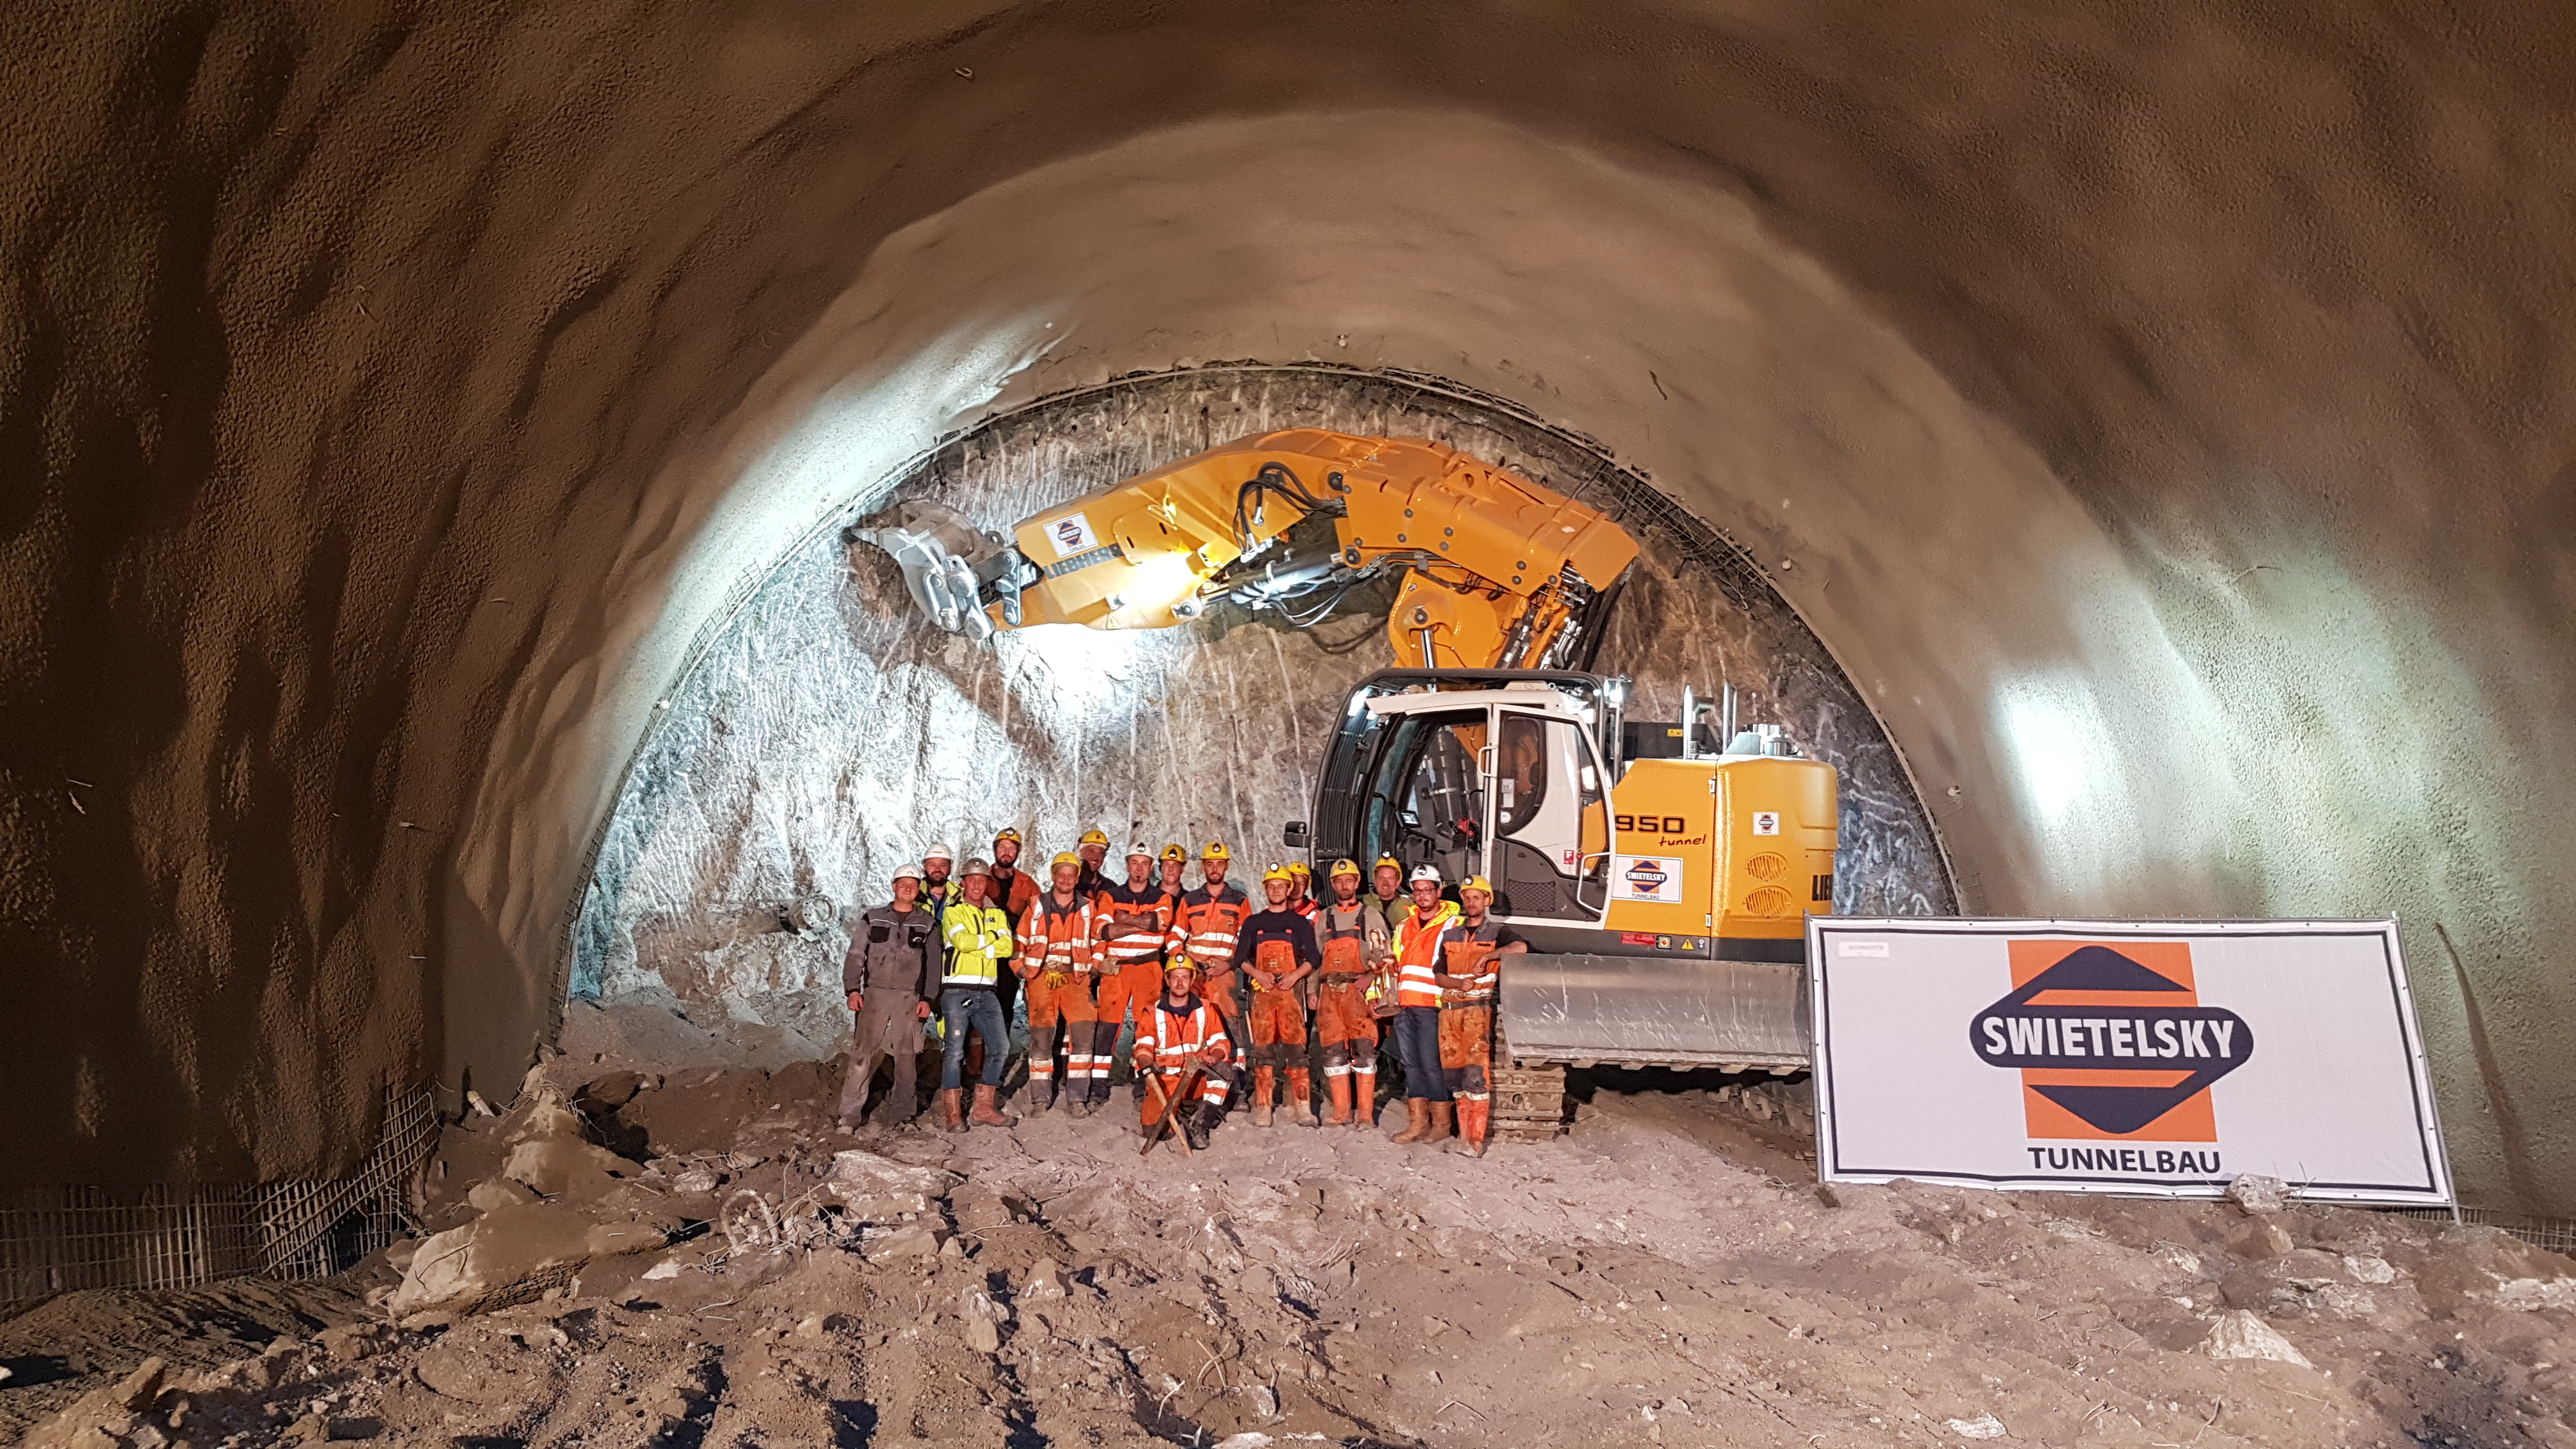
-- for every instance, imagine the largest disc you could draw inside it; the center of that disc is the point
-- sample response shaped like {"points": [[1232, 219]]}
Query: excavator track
{"points": [[1529, 1100]]}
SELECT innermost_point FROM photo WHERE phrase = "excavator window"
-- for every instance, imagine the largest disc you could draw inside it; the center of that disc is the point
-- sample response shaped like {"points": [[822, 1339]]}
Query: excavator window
{"points": [[1549, 830], [1426, 802]]}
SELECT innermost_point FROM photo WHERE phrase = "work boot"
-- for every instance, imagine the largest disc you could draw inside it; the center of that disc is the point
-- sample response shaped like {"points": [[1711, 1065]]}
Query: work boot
{"points": [[1041, 1094], [951, 1115], [1417, 1117], [1364, 1098], [1340, 1088], [1444, 1121], [1264, 1081], [1077, 1102], [1301, 1097], [1195, 1125], [986, 1114], [1474, 1119]]}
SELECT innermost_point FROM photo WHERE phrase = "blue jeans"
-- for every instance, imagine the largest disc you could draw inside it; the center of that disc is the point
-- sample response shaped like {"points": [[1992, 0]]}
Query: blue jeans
{"points": [[1417, 1046], [964, 1008]]}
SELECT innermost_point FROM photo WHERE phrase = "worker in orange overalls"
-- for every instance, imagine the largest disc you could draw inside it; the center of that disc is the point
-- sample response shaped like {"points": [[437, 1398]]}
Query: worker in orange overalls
{"points": [[1205, 926], [1353, 940], [1133, 921], [1417, 944], [1277, 951], [1178, 1029], [1174, 858], [1469, 972], [1057, 955]]}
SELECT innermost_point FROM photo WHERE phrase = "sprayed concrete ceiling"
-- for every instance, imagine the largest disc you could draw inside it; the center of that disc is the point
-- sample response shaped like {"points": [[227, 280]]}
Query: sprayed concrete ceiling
{"points": [[2162, 412]]}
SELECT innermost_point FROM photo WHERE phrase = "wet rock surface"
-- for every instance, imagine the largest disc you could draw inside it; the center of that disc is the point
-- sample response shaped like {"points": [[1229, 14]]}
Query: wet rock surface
{"points": [[1667, 1272]]}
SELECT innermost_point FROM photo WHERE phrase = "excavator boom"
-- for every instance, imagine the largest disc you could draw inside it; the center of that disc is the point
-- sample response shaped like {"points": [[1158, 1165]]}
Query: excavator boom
{"points": [[1493, 570]]}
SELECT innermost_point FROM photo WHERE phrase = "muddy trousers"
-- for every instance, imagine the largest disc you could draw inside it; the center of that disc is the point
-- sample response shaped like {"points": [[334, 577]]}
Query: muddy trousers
{"points": [[1066, 1002], [1466, 1052], [1347, 1029], [889, 1031], [1218, 986], [1130, 992], [977, 1009], [1278, 1021], [1417, 1045]]}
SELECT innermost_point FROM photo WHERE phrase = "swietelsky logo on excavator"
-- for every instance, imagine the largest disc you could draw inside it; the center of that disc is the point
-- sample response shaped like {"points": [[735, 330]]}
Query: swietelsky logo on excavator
{"points": [[2111, 1041]]}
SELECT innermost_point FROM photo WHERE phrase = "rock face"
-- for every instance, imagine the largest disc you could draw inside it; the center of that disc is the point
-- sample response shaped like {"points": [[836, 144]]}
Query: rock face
{"points": [[827, 736]]}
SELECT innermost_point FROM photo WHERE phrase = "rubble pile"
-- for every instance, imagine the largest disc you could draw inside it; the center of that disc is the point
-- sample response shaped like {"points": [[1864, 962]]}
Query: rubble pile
{"points": [[701, 1257]]}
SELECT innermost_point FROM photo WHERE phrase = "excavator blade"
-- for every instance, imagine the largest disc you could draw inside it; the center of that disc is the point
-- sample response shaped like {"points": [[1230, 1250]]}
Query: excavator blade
{"points": [[1646, 1011], [935, 547]]}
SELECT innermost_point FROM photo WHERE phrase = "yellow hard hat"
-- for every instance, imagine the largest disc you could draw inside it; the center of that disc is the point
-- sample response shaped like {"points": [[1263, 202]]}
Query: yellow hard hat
{"points": [[1299, 867], [1094, 837], [1477, 883], [1384, 861], [1006, 833], [1176, 852], [1067, 857], [1277, 872], [1216, 851], [1343, 867]]}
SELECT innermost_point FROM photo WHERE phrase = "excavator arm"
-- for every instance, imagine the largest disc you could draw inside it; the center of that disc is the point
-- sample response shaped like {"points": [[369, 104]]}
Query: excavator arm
{"points": [[1492, 570]]}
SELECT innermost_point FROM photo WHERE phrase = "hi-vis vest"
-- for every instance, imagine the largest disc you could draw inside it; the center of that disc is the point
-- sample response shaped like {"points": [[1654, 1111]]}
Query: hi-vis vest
{"points": [[1056, 939], [1174, 1038], [978, 938], [1206, 925], [1152, 911], [1417, 948]]}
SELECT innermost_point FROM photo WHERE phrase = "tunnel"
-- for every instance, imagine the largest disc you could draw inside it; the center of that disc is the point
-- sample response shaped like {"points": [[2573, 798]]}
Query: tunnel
{"points": [[2137, 438]]}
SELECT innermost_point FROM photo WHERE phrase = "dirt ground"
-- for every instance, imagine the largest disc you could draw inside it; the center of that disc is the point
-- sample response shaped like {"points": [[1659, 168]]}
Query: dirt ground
{"points": [[1667, 1273]]}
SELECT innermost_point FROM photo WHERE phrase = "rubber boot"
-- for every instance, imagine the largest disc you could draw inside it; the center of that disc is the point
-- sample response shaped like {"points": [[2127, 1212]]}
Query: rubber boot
{"points": [[1196, 1122], [1340, 1088], [1475, 1119], [1301, 1096], [951, 1115], [986, 1114], [1363, 1097], [1263, 1080], [1444, 1121], [1417, 1116]]}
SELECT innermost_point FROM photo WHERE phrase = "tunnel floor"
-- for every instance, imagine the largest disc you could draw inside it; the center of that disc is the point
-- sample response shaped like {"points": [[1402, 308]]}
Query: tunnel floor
{"points": [[1666, 1272]]}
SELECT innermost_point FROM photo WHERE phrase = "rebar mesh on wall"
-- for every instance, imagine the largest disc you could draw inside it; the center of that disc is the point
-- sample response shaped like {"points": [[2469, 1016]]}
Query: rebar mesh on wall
{"points": [[60, 1239]]}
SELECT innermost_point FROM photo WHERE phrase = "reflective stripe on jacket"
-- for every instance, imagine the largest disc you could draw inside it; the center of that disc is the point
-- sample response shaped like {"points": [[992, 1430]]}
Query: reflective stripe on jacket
{"points": [[979, 937], [1207, 924], [1149, 909], [1175, 1037], [1056, 937], [1417, 947]]}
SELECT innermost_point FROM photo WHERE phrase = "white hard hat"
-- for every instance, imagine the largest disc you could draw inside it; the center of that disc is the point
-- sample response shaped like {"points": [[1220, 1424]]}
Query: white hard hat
{"points": [[1423, 873], [908, 872], [1140, 848], [939, 852]]}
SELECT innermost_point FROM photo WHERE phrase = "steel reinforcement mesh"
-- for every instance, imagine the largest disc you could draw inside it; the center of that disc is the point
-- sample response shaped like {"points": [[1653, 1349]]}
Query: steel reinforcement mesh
{"points": [[59, 1239]]}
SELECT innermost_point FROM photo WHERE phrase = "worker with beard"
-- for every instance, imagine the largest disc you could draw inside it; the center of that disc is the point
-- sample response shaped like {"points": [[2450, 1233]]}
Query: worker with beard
{"points": [[1183, 1030], [1057, 956], [1419, 937], [1012, 890], [936, 888], [1301, 889], [1277, 952], [890, 974], [1468, 975], [1093, 851], [1353, 940], [1206, 924], [1386, 899], [1133, 918]]}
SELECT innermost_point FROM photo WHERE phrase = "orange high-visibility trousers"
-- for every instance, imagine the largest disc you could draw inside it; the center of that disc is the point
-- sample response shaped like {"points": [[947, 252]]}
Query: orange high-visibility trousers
{"points": [[1068, 1000]]}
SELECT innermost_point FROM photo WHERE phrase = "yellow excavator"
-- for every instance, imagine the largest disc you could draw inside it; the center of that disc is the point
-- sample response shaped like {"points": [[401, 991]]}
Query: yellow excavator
{"points": [[1661, 871]]}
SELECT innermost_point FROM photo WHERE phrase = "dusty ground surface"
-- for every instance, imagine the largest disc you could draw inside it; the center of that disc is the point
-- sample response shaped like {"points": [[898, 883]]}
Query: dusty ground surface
{"points": [[1667, 1273]]}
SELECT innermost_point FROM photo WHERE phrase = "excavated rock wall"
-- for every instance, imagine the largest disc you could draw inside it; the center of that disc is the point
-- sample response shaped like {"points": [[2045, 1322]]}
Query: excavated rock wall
{"points": [[825, 736], [2165, 409]]}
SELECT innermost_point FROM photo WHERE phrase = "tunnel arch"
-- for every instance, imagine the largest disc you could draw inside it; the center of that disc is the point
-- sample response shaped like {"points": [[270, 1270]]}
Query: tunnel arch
{"points": [[330, 332]]}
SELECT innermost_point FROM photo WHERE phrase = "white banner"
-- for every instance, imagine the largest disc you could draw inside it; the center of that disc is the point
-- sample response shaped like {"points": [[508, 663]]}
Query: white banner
{"points": [[2147, 1058], [1656, 878]]}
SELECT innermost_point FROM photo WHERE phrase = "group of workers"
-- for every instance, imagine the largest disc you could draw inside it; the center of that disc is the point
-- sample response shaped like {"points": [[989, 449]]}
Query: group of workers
{"points": [[1224, 994]]}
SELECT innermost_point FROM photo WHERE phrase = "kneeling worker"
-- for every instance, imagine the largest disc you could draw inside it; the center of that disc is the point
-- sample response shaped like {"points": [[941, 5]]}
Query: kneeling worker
{"points": [[1183, 1030]]}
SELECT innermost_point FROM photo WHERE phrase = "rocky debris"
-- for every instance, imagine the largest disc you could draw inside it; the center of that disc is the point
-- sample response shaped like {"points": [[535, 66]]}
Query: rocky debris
{"points": [[879, 1189], [1984, 1426], [2257, 1194], [2242, 1335]]}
